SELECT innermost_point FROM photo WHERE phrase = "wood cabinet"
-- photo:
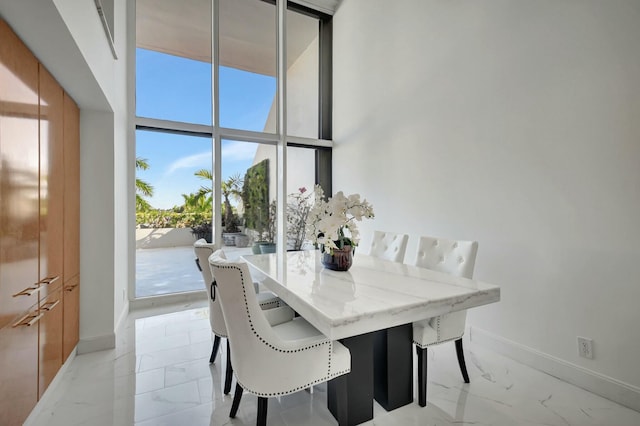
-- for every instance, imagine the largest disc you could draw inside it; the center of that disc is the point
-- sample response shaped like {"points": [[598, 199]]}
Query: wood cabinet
{"points": [[71, 239], [19, 370], [35, 227], [19, 237], [51, 227], [50, 339]]}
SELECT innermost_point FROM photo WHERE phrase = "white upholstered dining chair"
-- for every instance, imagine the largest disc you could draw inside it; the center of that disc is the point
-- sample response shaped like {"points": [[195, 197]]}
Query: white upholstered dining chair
{"points": [[388, 246], [267, 300], [271, 360], [455, 258]]}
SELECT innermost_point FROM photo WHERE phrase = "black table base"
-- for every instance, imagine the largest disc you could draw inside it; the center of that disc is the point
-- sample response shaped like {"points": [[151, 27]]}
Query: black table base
{"points": [[393, 366], [350, 396], [381, 368]]}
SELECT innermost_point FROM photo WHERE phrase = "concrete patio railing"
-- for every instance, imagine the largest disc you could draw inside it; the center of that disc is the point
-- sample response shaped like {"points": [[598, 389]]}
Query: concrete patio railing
{"points": [[163, 237]]}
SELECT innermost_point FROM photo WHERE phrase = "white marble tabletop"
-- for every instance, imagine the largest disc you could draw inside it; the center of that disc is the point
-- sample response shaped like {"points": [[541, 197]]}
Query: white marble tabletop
{"points": [[373, 295]]}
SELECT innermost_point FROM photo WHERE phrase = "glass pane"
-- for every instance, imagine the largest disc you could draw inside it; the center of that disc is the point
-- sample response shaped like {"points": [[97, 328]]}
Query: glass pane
{"points": [[173, 205], [173, 60], [236, 158], [300, 184], [249, 189], [302, 75], [247, 65]]}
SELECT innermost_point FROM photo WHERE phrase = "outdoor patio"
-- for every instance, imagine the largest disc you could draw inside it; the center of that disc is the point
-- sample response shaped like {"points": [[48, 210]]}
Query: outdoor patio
{"points": [[172, 269]]}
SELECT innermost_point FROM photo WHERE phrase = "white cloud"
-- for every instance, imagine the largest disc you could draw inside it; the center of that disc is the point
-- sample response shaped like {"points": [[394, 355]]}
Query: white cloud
{"points": [[231, 151], [238, 151], [199, 161]]}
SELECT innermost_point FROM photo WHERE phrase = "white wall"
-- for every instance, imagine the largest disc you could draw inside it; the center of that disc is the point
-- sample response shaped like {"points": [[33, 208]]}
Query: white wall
{"points": [[96, 231], [105, 195], [302, 106], [514, 123], [124, 167], [302, 93], [68, 38]]}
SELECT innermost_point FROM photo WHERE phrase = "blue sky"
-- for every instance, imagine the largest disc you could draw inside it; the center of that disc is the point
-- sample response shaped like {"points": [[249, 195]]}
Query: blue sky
{"points": [[173, 88]]}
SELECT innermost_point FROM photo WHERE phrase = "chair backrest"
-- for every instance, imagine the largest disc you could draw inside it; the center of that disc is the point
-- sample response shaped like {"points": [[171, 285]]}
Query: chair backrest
{"points": [[264, 364], [453, 257], [203, 250], [450, 256], [389, 246]]}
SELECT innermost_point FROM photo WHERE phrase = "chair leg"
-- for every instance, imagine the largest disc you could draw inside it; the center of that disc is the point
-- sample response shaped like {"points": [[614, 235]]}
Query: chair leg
{"points": [[214, 352], [237, 396], [229, 373], [262, 411], [422, 376], [463, 366]]}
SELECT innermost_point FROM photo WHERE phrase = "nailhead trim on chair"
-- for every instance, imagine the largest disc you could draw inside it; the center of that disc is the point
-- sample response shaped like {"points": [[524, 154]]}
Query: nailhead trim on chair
{"points": [[299, 388], [221, 335], [270, 304], [438, 342], [438, 334], [326, 342]]}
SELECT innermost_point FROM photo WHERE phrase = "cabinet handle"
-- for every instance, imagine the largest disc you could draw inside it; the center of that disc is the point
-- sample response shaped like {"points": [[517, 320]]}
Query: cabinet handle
{"points": [[49, 280], [71, 287], [29, 291], [49, 306], [29, 319]]}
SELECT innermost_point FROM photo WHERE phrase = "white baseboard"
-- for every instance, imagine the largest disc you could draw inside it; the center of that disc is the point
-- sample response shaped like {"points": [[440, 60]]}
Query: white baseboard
{"points": [[167, 299], [123, 317], [604, 386], [51, 390], [97, 343]]}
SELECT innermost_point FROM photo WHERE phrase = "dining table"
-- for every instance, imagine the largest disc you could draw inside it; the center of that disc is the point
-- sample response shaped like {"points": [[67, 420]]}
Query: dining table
{"points": [[370, 309]]}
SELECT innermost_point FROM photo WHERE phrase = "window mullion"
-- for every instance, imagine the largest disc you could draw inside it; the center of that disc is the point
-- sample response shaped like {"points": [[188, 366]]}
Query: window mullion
{"points": [[281, 85], [216, 167]]}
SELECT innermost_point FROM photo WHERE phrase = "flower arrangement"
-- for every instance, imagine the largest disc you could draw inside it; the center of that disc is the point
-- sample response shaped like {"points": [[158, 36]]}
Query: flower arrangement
{"points": [[298, 207], [332, 223]]}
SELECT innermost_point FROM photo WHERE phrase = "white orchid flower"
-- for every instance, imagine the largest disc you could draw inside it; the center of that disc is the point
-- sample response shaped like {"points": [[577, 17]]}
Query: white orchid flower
{"points": [[332, 223]]}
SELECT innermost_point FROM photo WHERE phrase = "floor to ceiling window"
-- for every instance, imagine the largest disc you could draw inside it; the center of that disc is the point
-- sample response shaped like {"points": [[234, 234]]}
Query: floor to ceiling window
{"points": [[210, 118]]}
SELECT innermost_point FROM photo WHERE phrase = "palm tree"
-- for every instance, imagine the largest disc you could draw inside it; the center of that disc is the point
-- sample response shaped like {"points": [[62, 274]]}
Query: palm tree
{"points": [[143, 189], [195, 203], [231, 189]]}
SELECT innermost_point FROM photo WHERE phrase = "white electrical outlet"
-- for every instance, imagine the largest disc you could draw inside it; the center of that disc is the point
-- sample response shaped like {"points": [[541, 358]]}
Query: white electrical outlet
{"points": [[585, 347]]}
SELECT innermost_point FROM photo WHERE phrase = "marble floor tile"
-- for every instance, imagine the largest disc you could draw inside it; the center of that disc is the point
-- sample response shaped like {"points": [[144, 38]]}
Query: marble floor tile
{"points": [[160, 375]]}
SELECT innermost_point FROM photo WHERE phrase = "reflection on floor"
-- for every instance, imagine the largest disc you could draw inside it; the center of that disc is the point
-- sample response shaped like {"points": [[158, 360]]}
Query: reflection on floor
{"points": [[159, 374]]}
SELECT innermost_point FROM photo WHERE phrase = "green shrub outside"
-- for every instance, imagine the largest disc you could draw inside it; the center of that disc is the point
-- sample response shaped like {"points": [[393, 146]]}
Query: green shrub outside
{"points": [[156, 218]]}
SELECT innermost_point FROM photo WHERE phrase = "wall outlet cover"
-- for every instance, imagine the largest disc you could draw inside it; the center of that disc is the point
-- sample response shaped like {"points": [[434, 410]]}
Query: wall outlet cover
{"points": [[585, 347]]}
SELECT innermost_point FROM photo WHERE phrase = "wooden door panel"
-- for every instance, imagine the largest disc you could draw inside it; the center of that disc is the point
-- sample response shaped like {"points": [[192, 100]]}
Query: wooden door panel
{"points": [[19, 227], [71, 316], [32, 202], [51, 182], [18, 369], [50, 339], [19, 209], [14, 302], [71, 189]]}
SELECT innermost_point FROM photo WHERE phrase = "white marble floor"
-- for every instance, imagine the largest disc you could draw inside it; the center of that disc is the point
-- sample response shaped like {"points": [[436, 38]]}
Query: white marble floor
{"points": [[159, 374]]}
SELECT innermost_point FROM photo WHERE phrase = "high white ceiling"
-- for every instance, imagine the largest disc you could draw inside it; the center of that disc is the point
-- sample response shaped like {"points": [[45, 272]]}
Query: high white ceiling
{"points": [[247, 31]]}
